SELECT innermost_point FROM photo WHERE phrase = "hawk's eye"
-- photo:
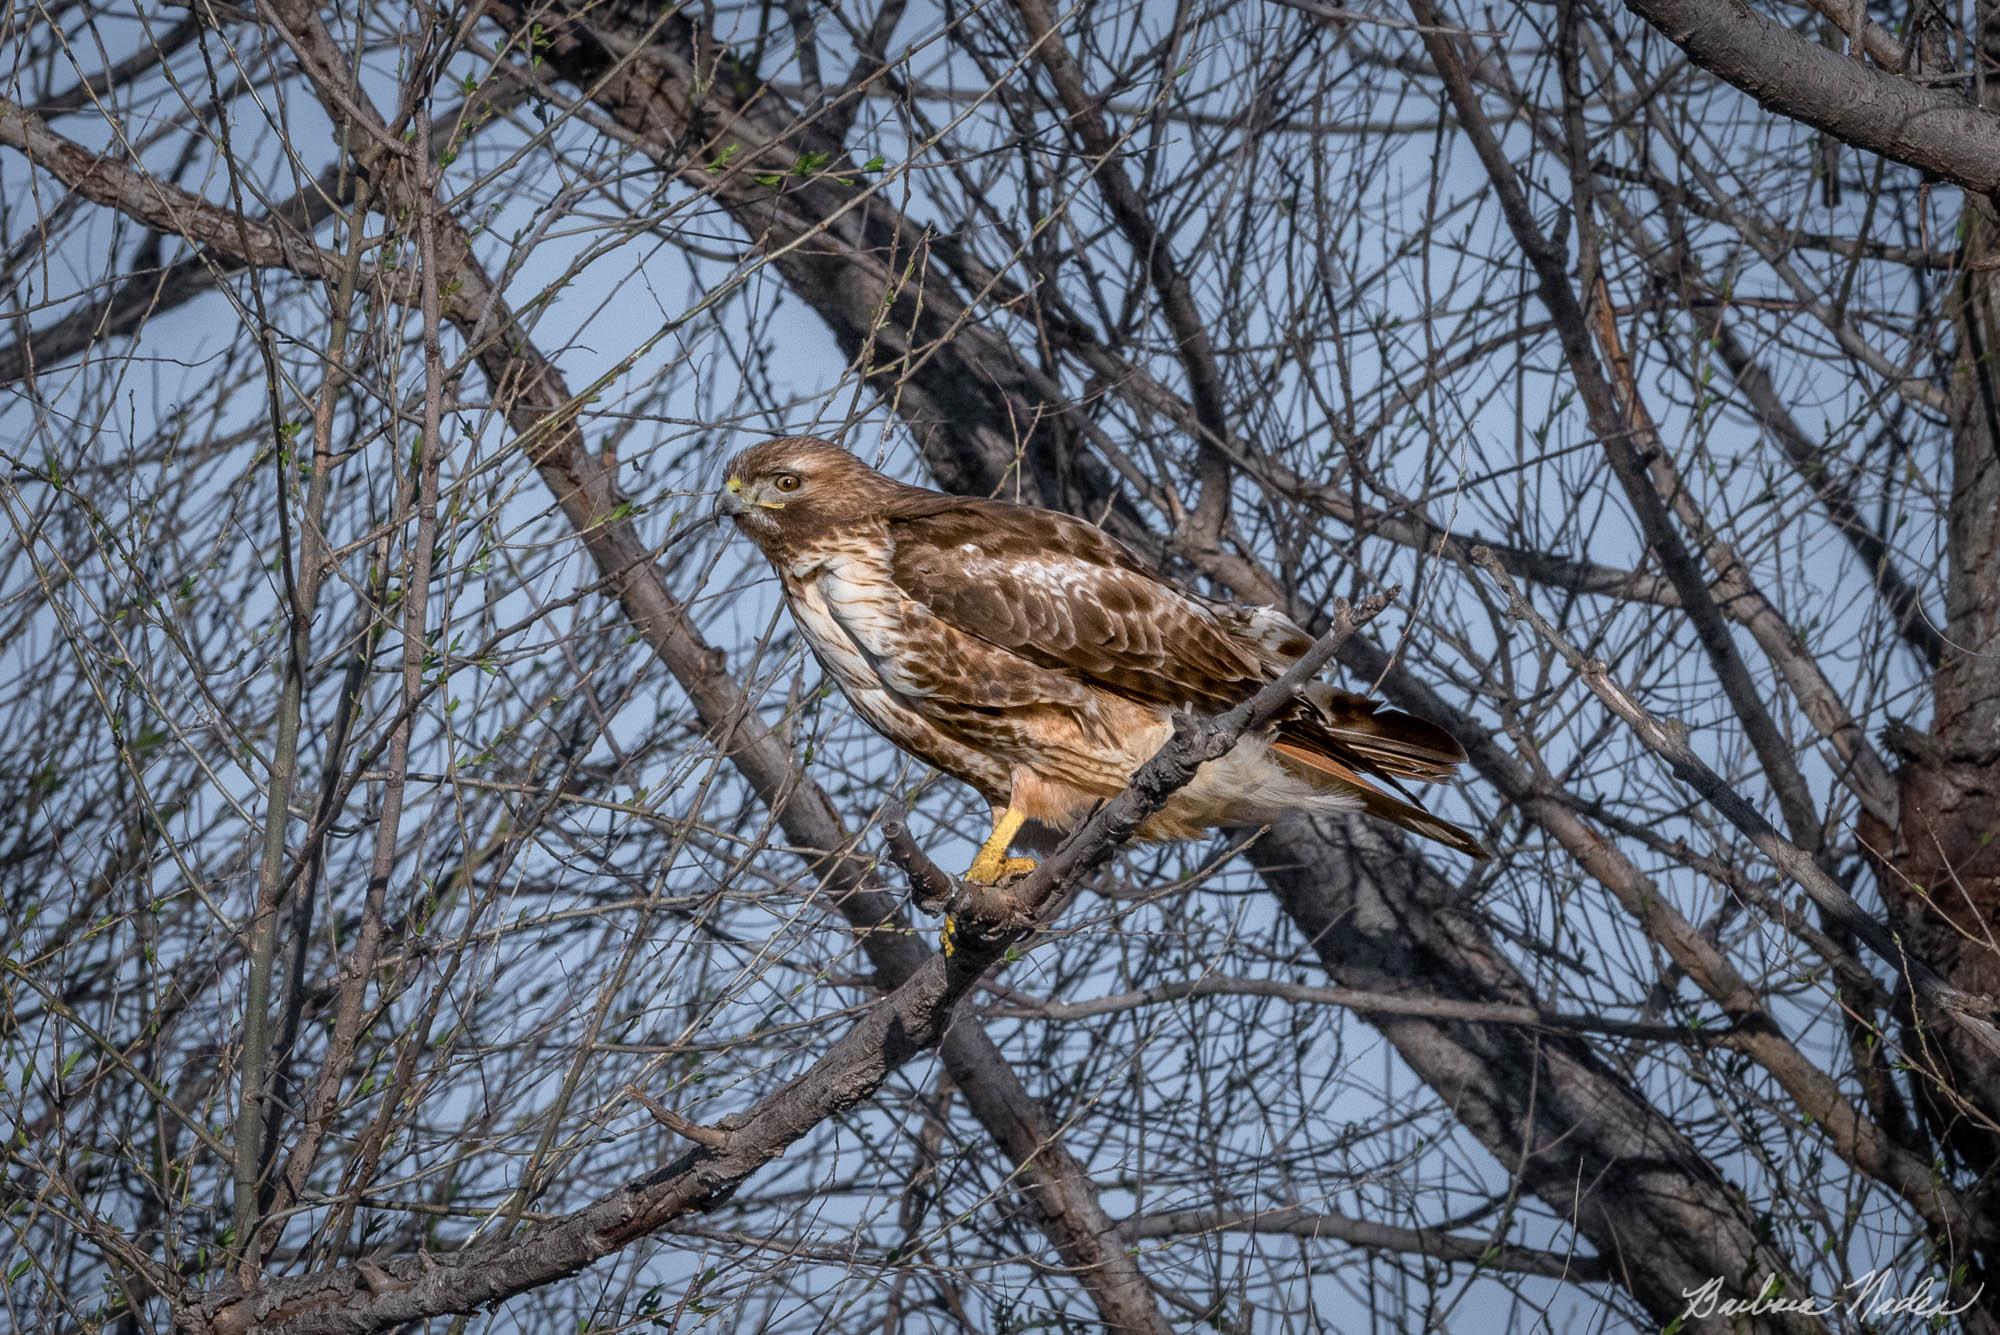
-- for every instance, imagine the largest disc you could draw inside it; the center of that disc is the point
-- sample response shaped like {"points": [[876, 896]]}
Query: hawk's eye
{"points": [[787, 482]]}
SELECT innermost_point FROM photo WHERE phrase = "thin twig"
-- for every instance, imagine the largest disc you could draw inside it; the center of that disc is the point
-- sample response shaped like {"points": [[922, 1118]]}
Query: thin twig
{"points": [[1336, 14], [714, 1137], [1667, 738]]}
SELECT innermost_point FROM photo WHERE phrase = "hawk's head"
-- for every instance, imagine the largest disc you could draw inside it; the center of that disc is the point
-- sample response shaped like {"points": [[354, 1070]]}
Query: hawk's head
{"points": [[786, 490]]}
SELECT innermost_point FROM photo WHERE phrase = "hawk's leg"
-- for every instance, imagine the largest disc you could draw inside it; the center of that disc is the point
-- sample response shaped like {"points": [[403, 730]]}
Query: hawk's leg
{"points": [[991, 867]]}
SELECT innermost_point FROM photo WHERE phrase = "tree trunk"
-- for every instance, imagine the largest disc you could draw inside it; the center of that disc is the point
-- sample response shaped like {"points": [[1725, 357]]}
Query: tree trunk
{"points": [[1940, 867]]}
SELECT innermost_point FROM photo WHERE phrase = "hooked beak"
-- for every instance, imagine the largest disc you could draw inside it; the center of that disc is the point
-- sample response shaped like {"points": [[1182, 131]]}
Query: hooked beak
{"points": [[730, 500]]}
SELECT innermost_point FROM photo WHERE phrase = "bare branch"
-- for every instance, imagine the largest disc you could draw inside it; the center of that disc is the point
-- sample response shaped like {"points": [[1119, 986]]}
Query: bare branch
{"points": [[1930, 128]]}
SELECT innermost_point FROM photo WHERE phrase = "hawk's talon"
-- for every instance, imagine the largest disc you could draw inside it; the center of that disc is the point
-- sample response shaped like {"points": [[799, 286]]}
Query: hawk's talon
{"points": [[948, 935], [992, 865], [995, 868]]}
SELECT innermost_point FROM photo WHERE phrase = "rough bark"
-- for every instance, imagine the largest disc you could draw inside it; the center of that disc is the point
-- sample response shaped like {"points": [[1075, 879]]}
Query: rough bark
{"points": [[1662, 1219], [1934, 129], [1939, 868]]}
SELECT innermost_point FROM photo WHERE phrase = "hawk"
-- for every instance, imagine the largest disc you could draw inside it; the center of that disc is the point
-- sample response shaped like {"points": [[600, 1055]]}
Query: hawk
{"points": [[1031, 655]]}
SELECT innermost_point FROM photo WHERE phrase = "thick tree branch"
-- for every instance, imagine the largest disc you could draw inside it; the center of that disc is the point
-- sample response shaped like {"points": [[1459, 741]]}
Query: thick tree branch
{"points": [[163, 207], [141, 294], [1929, 128]]}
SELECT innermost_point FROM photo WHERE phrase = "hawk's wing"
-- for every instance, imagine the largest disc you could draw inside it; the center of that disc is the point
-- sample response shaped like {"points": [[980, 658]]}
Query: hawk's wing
{"points": [[1069, 597], [1066, 596]]}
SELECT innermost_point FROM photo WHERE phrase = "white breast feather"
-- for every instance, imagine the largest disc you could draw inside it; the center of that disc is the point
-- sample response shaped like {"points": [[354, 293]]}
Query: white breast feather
{"points": [[831, 644], [854, 615]]}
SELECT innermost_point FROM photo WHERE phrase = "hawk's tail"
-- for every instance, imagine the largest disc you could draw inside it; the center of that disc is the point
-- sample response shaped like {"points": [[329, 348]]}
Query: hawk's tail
{"points": [[1346, 742]]}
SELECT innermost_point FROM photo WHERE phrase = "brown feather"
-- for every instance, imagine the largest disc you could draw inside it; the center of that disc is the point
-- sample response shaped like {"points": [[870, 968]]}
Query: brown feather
{"points": [[1407, 815], [1070, 598], [1387, 741]]}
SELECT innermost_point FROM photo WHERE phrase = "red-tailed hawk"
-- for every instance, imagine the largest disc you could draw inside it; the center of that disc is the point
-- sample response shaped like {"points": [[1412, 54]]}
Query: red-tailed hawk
{"points": [[1032, 656]]}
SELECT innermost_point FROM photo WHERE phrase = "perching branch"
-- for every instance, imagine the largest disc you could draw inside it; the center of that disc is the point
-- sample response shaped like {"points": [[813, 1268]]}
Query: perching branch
{"points": [[910, 1020]]}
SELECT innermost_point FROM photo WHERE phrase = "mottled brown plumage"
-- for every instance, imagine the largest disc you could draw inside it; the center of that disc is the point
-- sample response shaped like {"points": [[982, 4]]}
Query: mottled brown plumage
{"points": [[1030, 655]]}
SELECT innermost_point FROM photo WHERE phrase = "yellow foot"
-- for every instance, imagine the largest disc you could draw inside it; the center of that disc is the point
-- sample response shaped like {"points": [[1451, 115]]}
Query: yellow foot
{"points": [[948, 936], [993, 868]]}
